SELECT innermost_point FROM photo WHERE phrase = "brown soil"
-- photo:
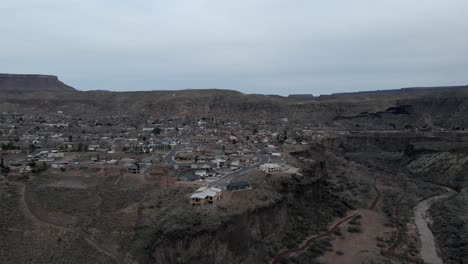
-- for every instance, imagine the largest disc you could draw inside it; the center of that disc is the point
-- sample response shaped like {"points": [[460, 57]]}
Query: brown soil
{"points": [[358, 247], [66, 184], [308, 242], [356, 244]]}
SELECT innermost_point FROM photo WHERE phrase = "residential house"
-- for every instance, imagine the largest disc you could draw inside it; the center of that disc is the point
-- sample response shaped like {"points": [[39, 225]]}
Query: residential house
{"points": [[236, 186], [270, 167], [55, 155], [200, 166], [185, 157], [205, 195], [220, 163], [25, 169], [201, 173], [93, 147], [201, 159], [136, 168], [148, 161]]}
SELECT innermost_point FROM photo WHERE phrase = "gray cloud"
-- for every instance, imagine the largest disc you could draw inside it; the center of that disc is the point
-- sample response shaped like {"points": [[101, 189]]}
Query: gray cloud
{"points": [[255, 46]]}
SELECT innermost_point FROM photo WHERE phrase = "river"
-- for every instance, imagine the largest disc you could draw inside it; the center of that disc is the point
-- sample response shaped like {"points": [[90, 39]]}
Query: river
{"points": [[428, 248]]}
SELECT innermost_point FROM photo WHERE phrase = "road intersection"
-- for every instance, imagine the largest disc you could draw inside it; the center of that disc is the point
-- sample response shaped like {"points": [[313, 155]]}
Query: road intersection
{"points": [[226, 179]]}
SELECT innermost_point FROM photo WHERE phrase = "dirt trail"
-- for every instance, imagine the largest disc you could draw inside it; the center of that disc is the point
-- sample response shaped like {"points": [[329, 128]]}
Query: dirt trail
{"points": [[305, 245], [377, 198], [391, 250], [88, 238], [308, 242]]}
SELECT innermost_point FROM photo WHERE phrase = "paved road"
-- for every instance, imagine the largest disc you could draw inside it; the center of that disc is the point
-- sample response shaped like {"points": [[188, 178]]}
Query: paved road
{"points": [[94, 165], [169, 157], [224, 181]]}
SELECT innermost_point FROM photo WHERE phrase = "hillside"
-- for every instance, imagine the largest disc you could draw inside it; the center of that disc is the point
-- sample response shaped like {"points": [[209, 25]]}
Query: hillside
{"points": [[407, 93], [424, 107]]}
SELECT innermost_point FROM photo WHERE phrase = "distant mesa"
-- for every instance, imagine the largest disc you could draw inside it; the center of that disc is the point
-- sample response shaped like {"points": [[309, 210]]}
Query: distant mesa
{"points": [[303, 96], [32, 82]]}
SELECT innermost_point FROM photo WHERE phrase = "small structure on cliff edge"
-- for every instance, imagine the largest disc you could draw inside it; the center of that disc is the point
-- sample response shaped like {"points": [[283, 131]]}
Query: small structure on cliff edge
{"points": [[205, 195], [237, 186]]}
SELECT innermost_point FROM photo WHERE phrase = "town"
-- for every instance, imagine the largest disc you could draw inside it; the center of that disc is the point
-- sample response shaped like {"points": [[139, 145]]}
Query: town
{"points": [[142, 188], [210, 154], [234, 132]]}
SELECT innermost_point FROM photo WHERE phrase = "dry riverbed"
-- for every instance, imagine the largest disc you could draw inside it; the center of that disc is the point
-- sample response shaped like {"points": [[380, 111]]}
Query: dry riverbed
{"points": [[422, 220]]}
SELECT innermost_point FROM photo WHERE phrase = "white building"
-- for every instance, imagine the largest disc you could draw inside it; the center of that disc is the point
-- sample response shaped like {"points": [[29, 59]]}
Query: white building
{"points": [[93, 147], [220, 163], [270, 167], [25, 169], [205, 195], [201, 173], [53, 155]]}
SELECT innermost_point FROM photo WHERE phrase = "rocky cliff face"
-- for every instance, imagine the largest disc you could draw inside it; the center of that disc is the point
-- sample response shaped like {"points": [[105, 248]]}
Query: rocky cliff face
{"points": [[29, 82], [444, 163], [232, 242], [305, 205]]}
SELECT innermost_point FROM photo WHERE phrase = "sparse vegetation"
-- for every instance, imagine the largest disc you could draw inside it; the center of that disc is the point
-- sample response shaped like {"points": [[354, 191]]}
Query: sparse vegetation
{"points": [[354, 229], [84, 148]]}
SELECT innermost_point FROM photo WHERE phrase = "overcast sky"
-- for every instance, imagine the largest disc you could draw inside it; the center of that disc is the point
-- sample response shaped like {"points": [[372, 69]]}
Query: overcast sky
{"points": [[254, 46]]}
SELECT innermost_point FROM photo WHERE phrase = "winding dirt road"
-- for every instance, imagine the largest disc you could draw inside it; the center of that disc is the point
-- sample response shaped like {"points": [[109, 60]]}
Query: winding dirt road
{"points": [[290, 252], [390, 252], [377, 198]]}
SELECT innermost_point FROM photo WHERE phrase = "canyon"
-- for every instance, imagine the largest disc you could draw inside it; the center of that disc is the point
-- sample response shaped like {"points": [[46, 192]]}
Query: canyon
{"points": [[358, 177]]}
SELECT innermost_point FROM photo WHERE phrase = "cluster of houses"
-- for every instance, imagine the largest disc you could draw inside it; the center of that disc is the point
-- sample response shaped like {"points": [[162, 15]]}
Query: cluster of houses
{"points": [[206, 148], [46, 155], [215, 158]]}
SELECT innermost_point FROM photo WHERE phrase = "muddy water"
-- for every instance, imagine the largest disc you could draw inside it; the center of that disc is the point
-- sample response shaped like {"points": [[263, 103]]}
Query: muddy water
{"points": [[428, 248]]}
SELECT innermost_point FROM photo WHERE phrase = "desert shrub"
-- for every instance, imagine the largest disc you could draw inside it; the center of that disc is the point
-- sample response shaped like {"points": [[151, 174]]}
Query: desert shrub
{"points": [[338, 232], [354, 229]]}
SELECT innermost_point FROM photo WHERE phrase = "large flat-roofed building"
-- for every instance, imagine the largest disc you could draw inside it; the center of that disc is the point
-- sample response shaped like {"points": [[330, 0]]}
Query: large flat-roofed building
{"points": [[270, 168], [205, 195]]}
